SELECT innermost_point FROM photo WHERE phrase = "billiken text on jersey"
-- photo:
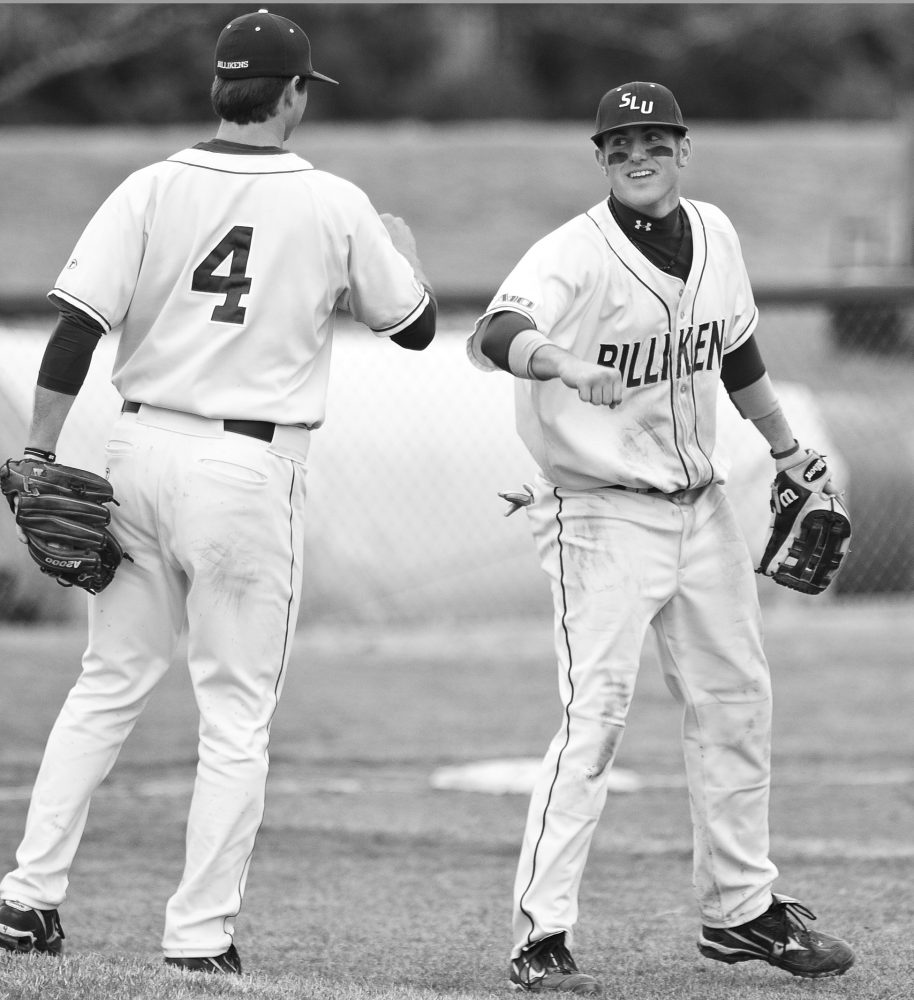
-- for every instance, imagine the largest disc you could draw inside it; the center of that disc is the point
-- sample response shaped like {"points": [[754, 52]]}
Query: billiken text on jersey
{"points": [[671, 356]]}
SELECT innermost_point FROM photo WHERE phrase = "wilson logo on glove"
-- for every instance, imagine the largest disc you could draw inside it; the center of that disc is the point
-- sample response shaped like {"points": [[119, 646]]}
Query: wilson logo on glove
{"points": [[815, 469], [787, 497], [810, 528]]}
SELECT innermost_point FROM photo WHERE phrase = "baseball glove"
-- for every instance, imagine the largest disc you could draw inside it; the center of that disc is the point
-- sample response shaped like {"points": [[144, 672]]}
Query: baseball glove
{"points": [[810, 527], [61, 515]]}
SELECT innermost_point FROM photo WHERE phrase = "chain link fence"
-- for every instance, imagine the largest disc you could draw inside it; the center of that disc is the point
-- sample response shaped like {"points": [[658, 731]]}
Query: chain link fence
{"points": [[405, 522], [854, 347]]}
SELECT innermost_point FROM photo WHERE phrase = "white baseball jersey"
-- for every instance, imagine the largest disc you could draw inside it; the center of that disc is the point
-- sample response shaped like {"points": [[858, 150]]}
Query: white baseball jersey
{"points": [[177, 253], [588, 289]]}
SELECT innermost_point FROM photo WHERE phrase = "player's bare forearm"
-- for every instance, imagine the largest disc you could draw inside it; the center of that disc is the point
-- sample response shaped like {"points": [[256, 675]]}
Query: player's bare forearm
{"points": [[757, 401], [595, 384], [48, 417], [776, 431]]}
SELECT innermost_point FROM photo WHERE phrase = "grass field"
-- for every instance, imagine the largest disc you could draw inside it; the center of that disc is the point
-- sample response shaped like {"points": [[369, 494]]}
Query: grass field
{"points": [[367, 883]]}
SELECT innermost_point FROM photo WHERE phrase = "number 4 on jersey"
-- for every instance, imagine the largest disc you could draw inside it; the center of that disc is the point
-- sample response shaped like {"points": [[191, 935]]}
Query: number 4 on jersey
{"points": [[235, 244]]}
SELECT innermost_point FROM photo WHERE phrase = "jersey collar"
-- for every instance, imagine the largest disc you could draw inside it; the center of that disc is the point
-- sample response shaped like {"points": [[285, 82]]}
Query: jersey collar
{"points": [[224, 146]]}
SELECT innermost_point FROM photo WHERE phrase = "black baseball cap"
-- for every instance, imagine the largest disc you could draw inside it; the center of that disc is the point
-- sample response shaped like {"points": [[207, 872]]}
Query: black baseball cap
{"points": [[637, 104], [264, 44]]}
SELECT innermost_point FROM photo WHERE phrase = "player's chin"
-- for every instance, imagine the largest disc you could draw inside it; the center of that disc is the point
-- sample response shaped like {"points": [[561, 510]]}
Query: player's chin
{"points": [[641, 192]]}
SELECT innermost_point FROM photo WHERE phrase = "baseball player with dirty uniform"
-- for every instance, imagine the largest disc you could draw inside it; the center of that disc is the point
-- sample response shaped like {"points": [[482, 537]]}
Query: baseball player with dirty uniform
{"points": [[619, 327], [223, 267]]}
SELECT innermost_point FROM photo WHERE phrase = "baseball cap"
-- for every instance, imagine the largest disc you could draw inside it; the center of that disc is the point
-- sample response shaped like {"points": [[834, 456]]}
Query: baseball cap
{"points": [[264, 44], [637, 104]]}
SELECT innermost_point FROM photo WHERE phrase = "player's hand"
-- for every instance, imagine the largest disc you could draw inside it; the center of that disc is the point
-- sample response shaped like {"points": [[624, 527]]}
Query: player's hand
{"points": [[807, 458], [596, 384], [401, 235]]}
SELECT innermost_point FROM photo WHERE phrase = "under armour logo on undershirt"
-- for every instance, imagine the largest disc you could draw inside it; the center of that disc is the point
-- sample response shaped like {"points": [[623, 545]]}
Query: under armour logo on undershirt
{"points": [[646, 226]]}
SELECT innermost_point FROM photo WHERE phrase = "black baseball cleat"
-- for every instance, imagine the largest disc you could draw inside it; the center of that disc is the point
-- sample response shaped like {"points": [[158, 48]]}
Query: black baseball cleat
{"points": [[547, 965], [228, 962], [780, 938], [24, 929]]}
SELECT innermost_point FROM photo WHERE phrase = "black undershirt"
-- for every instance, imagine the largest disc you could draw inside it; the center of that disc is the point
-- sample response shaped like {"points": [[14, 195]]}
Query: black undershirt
{"points": [[666, 242]]}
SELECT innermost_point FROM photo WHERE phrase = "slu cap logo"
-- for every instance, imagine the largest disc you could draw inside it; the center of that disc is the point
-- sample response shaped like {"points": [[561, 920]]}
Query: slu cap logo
{"points": [[637, 103], [631, 101]]}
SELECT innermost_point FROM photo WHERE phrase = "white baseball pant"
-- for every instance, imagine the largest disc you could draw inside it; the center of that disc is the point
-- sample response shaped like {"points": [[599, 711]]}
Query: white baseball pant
{"points": [[619, 562], [214, 522]]}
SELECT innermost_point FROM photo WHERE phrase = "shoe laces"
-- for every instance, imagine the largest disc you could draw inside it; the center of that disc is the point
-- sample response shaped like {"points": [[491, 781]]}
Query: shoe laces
{"points": [[53, 924], [790, 914], [552, 954]]}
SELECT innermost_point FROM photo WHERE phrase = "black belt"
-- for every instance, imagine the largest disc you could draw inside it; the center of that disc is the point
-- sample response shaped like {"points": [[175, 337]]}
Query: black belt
{"points": [[637, 489], [260, 429]]}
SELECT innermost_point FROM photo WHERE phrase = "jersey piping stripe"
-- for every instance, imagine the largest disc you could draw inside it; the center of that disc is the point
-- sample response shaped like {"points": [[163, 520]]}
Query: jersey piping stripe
{"points": [[558, 762], [704, 260], [669, 318], [86, 308], [509, 307], [242, 173], [672, 393], [423, 302], [753, 319], [669, 321], [704, 264], [289, 628]]}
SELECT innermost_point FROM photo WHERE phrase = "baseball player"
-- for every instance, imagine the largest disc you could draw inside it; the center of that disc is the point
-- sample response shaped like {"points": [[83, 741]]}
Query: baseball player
{"points": [[618, 327], [224, 267]]}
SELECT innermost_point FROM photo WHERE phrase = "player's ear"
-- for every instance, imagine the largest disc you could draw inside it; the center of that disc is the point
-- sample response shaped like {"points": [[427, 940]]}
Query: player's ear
{"points": [[684, 152], [295, 86], [601, 159]]}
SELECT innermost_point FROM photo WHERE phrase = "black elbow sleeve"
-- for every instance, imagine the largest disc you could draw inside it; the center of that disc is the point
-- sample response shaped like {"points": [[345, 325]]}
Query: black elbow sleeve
{"points": [[68, 355], [742, 367], [419, 334]]}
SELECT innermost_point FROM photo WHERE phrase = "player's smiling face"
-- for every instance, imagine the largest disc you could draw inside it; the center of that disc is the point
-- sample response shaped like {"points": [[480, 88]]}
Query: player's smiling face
{"points": [[643, 163]]}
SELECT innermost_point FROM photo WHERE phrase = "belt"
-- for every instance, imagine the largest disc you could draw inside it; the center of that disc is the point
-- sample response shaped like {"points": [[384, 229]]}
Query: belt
{"points": [[676, 496], [260, 429], [637, 489]]}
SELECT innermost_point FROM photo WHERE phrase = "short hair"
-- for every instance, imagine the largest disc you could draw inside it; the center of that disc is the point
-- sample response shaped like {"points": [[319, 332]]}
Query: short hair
{"points": [[255, 99]]}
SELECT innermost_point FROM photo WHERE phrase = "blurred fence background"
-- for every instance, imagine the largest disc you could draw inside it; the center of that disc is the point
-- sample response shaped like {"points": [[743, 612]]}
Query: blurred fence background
{"points": [[405, 523], [404, 519]]}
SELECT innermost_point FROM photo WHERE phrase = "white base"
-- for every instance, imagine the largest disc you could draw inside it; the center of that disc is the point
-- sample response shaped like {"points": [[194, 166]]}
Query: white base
{"points": [[513, 776]]}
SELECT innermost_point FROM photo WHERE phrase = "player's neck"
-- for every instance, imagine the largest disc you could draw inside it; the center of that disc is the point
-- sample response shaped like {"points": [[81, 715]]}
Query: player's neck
{"points": [[655, 210], [268, 133], [627, 215]]}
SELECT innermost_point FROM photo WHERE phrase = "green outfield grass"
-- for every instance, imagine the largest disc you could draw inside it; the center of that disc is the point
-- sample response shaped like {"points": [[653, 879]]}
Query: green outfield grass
{"points": [[367, 883]]}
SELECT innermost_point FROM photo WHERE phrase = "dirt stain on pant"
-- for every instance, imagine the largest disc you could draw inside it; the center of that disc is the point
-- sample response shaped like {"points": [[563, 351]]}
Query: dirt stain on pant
{"points": [[606, 752]]}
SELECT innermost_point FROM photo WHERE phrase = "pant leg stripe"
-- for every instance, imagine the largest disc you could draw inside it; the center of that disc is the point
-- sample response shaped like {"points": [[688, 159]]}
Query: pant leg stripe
{"points": [[558, 762], [290, 629]]}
